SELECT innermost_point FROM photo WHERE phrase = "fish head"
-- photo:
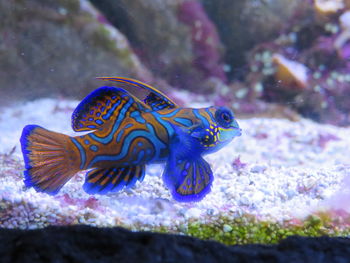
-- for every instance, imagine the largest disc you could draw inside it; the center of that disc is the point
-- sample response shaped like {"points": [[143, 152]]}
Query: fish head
{"points": [[227, 125], [220, 128]]}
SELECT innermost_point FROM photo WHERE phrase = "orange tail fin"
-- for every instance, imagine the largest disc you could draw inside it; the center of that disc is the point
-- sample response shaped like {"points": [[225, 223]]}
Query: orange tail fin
{"points": [[50, 159]]}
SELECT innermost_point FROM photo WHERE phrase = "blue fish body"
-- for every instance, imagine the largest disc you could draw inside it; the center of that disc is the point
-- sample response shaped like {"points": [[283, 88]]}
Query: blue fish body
{"points": [[124, 135]]}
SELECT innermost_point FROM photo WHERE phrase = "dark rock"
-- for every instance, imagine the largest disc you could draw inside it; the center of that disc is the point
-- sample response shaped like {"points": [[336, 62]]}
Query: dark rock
{"points": [[245, 23], [205, 40], [89, 244], [58, 47], [176, 39]]}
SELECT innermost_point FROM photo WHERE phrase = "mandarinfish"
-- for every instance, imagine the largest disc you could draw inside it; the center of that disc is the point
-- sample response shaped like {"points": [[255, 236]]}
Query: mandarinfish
{"points": [[125, 135]]}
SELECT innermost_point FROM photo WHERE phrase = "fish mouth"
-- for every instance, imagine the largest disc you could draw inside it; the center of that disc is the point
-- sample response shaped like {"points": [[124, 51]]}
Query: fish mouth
{"points": [[237, 131], [230, 133]]}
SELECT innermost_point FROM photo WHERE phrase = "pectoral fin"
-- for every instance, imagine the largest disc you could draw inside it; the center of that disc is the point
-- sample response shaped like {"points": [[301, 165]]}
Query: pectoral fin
{"points": [[189, 179]]}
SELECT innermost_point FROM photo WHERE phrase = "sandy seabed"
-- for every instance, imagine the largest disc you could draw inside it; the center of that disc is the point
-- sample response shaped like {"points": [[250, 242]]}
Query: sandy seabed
{"points": [[277, 170]]}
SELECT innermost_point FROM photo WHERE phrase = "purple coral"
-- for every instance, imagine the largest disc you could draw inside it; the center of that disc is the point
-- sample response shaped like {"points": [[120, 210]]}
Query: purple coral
{"points": [[102, 19], [324, 139], [325, 93], [205, 39], [261, 135], [238, 164]]}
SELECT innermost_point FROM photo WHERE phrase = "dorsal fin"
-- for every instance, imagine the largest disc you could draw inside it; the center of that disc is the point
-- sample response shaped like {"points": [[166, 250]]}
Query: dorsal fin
{"points": [[156, 103], [102, 105], [155, 99]]}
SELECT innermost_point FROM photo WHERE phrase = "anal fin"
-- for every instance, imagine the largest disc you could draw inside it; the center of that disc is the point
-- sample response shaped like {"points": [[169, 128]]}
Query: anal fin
{"points": [[104, 180]]}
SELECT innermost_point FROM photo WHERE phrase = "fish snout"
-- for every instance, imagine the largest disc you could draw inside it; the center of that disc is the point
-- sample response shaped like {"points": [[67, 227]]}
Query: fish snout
{"points": [[237, 131]]}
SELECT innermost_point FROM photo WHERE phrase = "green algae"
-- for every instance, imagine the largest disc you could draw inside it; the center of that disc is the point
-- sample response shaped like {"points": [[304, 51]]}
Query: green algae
{"points": [[248, 230], [102, 37], [98, 34]]}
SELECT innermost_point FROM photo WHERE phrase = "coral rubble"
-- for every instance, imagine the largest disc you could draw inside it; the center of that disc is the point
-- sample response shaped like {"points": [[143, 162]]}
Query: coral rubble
{"points": [[278, 172]]}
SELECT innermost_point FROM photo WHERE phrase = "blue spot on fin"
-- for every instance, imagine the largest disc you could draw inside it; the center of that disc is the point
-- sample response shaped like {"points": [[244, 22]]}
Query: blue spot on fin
{"points": [[106, 180], [189, 180], [103, 105]]}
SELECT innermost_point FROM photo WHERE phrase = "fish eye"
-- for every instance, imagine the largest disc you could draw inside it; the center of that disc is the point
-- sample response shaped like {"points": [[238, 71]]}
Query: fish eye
{"points": [[224, 117]]}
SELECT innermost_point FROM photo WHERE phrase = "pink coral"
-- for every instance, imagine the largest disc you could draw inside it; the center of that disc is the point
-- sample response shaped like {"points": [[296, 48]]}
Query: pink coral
{"points": [[82, 203]]}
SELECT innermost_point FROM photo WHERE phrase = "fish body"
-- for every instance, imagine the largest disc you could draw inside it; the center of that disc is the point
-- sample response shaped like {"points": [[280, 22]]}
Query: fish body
{"points": [[124, 135]]}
